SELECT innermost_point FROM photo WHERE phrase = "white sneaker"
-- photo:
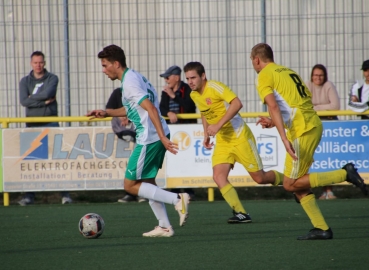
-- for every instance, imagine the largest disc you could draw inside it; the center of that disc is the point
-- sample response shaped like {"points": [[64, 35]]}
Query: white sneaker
{"points": [[159, 232], [66, 200], [182, 207]]}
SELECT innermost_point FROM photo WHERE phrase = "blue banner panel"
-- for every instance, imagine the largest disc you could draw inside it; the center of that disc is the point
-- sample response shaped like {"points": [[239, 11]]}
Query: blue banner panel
{"points": [[343, 142]]}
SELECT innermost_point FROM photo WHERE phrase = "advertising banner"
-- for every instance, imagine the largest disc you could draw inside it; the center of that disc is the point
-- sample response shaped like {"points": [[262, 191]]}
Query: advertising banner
{"points": [[83, 158], [343, 142], [92, 158], [191, 167]]}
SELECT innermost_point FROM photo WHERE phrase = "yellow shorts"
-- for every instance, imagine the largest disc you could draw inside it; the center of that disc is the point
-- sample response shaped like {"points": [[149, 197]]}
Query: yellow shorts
{"points": [[245, 153], [304, 150]]}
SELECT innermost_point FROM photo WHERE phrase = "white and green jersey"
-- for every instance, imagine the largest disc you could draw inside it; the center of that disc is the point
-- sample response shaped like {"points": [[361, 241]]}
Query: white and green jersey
{"points": [[135, 89]]}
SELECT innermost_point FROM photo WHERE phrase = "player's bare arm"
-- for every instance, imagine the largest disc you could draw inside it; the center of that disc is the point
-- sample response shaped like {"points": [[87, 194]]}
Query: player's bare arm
{"points": [[234, 107], [206, 143], [155, 119], [121, 112], [277, 120], [97, 114]]}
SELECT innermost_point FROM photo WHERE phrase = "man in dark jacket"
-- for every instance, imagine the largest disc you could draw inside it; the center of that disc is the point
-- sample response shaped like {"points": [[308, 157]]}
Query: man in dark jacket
{"points": [[176, 99], [37, 93]]}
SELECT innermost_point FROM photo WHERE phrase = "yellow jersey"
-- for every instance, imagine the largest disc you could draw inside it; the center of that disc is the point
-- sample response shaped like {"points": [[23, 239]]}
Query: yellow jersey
{"points": [[213, 104], [292, 96]]}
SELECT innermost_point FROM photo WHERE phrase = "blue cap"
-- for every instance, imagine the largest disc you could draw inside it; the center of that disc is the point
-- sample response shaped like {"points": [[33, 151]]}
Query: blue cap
{"points": [[173, 70]]}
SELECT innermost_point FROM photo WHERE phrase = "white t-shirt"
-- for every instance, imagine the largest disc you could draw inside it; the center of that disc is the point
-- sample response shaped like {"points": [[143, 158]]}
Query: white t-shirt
{"points": [[364, 91], [362, 105], [135, 89]]}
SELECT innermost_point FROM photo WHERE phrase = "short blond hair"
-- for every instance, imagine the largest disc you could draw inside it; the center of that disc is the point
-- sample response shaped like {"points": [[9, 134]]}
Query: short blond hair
{"points": [[263, 51]]}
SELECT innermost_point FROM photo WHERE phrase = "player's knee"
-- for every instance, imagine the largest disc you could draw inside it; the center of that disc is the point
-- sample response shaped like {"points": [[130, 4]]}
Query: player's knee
{"points": [[288, 187], [258, 180], [127, 188], [220, 180]]}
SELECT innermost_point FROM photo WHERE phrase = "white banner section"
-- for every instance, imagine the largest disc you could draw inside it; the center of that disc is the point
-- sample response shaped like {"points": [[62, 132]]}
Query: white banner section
{"points": [[192, 167]]}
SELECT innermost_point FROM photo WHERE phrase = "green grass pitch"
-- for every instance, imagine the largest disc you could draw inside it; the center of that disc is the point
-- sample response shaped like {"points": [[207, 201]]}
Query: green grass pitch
{"points": [[47, 237]]}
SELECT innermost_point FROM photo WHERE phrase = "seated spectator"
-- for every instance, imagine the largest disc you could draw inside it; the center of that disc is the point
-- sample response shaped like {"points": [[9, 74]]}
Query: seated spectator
{"points": [[359, 97], [324, 98]]}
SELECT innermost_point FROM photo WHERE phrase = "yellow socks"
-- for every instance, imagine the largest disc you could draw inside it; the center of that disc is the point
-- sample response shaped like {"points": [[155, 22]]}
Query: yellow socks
{"points": [[311, 208], [278, 178], [229, 194], [322, 179]]}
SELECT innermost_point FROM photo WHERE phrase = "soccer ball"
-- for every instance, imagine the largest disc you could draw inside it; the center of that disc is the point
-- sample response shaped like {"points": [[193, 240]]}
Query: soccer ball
{"points": [[91, 225]]}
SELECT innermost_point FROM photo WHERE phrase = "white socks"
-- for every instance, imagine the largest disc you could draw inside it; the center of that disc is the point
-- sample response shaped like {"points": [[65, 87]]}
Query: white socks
{"points": [[157, 197], [160, 212], [154, 193]]}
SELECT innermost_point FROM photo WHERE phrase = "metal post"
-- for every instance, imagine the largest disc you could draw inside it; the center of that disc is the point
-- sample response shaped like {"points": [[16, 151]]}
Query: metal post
{"points": [[263, 22], [66, 60], [263, 33]]}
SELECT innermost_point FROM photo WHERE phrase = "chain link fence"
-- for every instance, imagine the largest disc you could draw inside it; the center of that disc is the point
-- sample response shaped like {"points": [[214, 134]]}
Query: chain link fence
{"points": [[156, 34]]}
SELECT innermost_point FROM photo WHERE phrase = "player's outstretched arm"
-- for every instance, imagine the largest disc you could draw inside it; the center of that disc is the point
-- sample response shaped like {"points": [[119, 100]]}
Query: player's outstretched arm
{"points": [[121, 112], [97, 114]]}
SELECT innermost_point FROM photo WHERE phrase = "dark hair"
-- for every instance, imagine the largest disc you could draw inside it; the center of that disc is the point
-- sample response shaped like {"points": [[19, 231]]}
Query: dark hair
{"points": [[113, 53], [38, 53], [322, 68], [263, 51], [197, 66]]}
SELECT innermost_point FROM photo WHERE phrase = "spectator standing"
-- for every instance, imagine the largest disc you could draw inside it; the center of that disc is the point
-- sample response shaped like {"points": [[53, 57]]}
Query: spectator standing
{"points": [[359, 97], [324, 98], [175, 99], [37, 93], [123, 131]]}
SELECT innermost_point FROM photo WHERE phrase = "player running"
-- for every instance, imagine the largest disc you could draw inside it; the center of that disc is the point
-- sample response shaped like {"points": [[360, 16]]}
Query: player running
{"points": [[234, 139], [290, 107], [141, 107]]}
